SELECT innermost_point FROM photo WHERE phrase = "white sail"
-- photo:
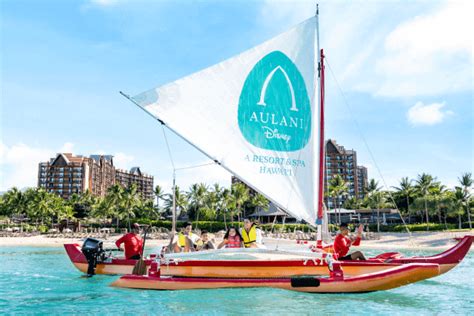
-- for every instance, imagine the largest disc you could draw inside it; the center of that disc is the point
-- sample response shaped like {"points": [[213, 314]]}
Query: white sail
{"points": [[257, 115]]}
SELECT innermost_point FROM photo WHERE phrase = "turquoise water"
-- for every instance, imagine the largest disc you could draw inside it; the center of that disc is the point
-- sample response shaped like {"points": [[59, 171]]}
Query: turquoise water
{"points": [[42, 281]]}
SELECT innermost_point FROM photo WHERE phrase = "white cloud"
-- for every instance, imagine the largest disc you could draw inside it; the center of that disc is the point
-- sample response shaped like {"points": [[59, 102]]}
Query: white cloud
{"points": [[123, 161], [430, 54], [424, 49], [67, 148], [430, 114], [19, 165], [205, 172], [209, 174], [104, 3]]}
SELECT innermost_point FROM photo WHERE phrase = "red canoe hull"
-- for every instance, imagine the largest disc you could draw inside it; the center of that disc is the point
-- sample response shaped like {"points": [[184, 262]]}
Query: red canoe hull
{"points": [[378, 281], [283, 268]]}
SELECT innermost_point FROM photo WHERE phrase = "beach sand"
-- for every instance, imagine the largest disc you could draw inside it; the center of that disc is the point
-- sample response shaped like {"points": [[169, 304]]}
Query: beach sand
{"points": [[387, 241]]}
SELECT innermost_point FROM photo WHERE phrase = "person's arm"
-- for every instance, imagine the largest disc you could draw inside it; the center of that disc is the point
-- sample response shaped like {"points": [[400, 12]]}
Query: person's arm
{"points": [[356, 242], [259, 238], [222, 244], [120, 241], [140, 244]]}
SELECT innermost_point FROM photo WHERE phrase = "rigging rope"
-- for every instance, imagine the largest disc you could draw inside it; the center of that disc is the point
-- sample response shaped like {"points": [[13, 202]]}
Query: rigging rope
{"points": [[168, 148], [196, 166], [356, 123]]}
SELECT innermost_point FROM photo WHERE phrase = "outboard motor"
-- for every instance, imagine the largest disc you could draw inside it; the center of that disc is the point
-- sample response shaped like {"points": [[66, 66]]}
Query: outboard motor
{"points": [[94, 252]]}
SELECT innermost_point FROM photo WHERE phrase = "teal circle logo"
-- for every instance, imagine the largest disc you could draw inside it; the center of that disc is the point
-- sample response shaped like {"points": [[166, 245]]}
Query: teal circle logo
{"points": [[274, 108]]}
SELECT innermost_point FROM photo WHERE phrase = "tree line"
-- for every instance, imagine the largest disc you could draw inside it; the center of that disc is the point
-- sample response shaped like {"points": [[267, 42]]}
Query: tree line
{"points": [[120, 205], [419, 200]]}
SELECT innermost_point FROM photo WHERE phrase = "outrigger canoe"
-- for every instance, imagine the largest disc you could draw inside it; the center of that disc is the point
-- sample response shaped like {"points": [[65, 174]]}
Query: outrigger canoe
{"points": [[272, 267], [378, 281]]}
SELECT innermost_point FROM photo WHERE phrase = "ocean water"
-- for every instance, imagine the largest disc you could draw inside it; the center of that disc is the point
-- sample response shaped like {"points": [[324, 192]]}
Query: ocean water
{"points": [[42, 281]]}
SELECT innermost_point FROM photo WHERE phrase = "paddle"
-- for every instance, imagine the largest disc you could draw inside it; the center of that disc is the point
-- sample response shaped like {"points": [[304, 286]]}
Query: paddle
{"points": [[140, 266]]}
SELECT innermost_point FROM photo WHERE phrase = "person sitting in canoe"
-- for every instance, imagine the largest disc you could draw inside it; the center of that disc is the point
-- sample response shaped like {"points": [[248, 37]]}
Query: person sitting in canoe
{"points": [[205, 243], [187, 240], [232, 239], [343, 242], [251, 235], [132, 243]]}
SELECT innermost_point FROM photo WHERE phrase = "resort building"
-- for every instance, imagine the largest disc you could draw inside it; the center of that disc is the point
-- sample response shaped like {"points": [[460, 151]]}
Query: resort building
{"points": [[102, 174], [143, 181], [362, 181], [343, 162], [67, 174]]}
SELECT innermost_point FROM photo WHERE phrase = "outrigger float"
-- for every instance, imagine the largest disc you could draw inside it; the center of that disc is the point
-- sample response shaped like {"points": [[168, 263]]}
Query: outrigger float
{"points": [[336, 282]]}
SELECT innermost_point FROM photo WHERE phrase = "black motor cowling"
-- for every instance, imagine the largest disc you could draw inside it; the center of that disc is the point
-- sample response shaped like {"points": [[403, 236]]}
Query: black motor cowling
{"points": [[94, 252]]}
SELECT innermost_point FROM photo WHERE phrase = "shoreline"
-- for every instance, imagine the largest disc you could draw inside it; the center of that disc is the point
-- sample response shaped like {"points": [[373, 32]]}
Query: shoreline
{"points": [[387, 241]]}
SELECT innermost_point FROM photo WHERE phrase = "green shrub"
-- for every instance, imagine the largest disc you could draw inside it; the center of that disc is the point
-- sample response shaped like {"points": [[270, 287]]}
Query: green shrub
{"points": [[412, 227]]}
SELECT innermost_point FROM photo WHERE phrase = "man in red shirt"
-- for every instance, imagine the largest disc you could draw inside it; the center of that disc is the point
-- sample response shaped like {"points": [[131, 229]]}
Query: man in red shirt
{"points": [[342, 243], [132, 243]]}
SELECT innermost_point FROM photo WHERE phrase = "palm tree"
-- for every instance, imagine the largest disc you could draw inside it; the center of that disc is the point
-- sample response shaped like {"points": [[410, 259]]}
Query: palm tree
{"points": [[436, 195], [352, 203], [66, 212], [131, 200], [258, 201], [240, 195], [458, 203], [445, 205], [197, 198], [14, 202], [84, 204], [423, 185], [180, 200], [159, 194], [103, 209], [115, 196], [337, 188], [378, 200], [211, 203], [225, 202], [407, 190], [466, 183], [373, 186], [146, 209], [40, 206]]}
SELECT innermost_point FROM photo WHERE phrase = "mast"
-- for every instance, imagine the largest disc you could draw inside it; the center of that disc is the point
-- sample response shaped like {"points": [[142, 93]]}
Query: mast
{"points": [[173, 225], [319, 220]]}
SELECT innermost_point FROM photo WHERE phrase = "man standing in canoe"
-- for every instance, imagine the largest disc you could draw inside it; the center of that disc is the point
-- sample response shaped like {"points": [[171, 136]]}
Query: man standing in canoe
{"points": [[132, 242], [343, 242]]}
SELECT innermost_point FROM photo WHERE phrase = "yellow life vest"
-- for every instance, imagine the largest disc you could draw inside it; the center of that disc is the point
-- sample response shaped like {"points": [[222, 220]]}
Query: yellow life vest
{"points": [[181, 240], [249, 237]]}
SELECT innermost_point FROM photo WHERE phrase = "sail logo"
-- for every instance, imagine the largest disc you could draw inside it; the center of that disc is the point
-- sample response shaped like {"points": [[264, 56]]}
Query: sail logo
{"points": [[274, 108]]}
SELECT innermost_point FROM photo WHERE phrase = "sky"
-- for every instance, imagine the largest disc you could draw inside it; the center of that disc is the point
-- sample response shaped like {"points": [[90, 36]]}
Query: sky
{"points": [[399, 86]]}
